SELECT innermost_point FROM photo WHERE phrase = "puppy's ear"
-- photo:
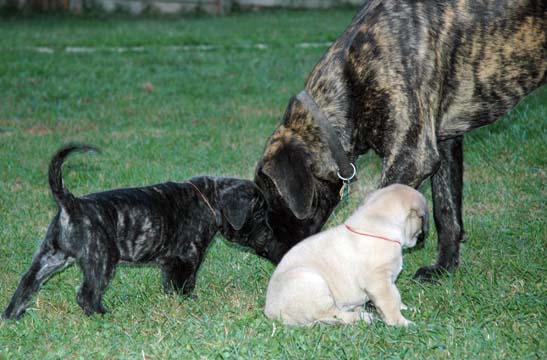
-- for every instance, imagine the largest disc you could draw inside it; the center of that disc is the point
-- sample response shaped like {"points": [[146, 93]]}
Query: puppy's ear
{"points": [[425, 225], [290, 171], [418, 218], [235, 204], [424, 219]]}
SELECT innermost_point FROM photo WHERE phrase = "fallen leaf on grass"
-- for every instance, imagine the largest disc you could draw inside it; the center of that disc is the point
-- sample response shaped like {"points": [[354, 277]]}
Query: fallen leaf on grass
{"points": [[148, 87]]}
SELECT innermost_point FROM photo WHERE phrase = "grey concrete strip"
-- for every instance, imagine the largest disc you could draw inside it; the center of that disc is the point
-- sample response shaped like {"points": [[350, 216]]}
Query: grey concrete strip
{"points": [[199, 47]]}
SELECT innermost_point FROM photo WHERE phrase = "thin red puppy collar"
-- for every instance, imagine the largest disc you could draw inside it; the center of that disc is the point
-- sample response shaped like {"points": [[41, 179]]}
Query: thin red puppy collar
{"points": [[372, 236], [203, 197]]}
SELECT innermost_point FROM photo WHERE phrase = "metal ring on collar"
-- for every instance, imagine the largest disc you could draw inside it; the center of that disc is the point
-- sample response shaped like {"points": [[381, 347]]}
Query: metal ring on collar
{"points": [[349, 178]]}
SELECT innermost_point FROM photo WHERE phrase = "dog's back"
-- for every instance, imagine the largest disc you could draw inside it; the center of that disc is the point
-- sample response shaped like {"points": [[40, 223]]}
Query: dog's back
{"points": [[459, 64]]}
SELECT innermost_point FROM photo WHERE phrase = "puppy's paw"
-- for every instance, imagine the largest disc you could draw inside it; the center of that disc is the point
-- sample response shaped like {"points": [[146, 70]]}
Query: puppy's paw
{"points": [[399, 321], [366, 317], [409, 308], [6, 316], [10, 314], [407, 323], [402, 322]]}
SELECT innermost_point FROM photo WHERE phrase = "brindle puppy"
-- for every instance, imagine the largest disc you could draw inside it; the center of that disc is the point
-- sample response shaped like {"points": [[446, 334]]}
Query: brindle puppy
{"points": [[407, 79], [168, 224]]}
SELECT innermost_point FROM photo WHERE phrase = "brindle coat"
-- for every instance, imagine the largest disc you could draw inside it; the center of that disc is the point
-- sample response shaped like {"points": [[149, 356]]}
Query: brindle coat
{"points": [[407, 79], [168, 224]]}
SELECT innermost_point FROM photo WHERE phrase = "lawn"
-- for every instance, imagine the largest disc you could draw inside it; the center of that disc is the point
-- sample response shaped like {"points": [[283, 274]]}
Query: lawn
{"points": [[170, 99]]}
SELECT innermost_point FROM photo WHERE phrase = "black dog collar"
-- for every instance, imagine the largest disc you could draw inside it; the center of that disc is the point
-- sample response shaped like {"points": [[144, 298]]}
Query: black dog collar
{"points": [[346, 170]]}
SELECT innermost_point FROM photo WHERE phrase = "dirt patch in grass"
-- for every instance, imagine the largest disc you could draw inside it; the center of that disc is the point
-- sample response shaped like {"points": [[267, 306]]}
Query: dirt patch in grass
{"points": [[5, 132], [252, 111], [18, 185], [39, 130], [130, 133], [39, 127], [148, 87]]}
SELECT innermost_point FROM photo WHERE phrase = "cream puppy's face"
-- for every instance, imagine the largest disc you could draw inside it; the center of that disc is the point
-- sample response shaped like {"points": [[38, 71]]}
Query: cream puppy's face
{"points": [[416, 228], [403, 207]]}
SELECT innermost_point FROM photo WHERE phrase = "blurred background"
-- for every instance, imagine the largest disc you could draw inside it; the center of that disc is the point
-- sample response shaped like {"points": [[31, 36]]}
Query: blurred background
{"points": [[165, 7]]}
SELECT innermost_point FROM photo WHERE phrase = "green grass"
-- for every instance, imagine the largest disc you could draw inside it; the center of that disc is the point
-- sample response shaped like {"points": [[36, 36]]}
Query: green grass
{"points": [[210, 112]]}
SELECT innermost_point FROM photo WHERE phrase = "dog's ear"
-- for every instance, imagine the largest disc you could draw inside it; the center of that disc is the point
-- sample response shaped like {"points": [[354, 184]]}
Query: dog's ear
{"points": [[235, 204], [290, 171]]}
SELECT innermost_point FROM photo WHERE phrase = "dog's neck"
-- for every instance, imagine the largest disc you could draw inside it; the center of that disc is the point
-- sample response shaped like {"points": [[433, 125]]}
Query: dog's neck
{"points": [[203, 197], [364, 221], [373, 236], [205, 188], [331, 95], [330, 135], [335, 111]]}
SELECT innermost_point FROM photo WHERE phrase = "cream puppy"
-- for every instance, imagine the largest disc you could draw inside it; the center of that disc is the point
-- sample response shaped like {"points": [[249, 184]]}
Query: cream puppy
{"points": [[329, 276]]}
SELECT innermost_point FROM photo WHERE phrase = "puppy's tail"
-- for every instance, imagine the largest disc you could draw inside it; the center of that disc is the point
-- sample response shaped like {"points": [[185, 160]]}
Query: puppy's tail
{"points": [[62, 196]]}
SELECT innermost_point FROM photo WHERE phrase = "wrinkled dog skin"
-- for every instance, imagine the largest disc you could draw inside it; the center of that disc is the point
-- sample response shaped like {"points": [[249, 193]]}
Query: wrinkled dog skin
{"points": [[407, 79], [169, 224], [329, 276]]}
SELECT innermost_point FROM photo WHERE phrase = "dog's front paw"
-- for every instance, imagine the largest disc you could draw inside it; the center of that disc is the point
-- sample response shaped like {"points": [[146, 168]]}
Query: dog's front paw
{"points": [[92, 310], [409, 308], [102, 310], [430, 273], [405, 307], [400, 321], [407, 323]]}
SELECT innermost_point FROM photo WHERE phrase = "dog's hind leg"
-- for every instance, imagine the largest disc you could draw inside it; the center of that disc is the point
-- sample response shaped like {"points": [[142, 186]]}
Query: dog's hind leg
{"points": [[45, 263], [334, 315], [303, 297], [97, 273], [447, 187]]}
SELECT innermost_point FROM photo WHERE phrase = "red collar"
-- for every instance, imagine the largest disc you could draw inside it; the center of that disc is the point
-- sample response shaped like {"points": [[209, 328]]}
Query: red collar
{"points": [[203, 197], [370, 235]]}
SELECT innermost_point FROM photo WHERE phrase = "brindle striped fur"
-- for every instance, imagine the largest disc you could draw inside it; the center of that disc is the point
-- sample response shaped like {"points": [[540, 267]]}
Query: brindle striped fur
{"points": [[168, 224], [407, 79]]}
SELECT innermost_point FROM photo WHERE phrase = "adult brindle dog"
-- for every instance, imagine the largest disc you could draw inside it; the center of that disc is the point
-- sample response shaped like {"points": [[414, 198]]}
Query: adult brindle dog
{"points": [[407, 79]]}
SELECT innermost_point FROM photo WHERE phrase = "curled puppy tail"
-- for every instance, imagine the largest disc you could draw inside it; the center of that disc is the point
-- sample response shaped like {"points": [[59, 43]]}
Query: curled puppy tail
{"points": [[61, 195]]}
